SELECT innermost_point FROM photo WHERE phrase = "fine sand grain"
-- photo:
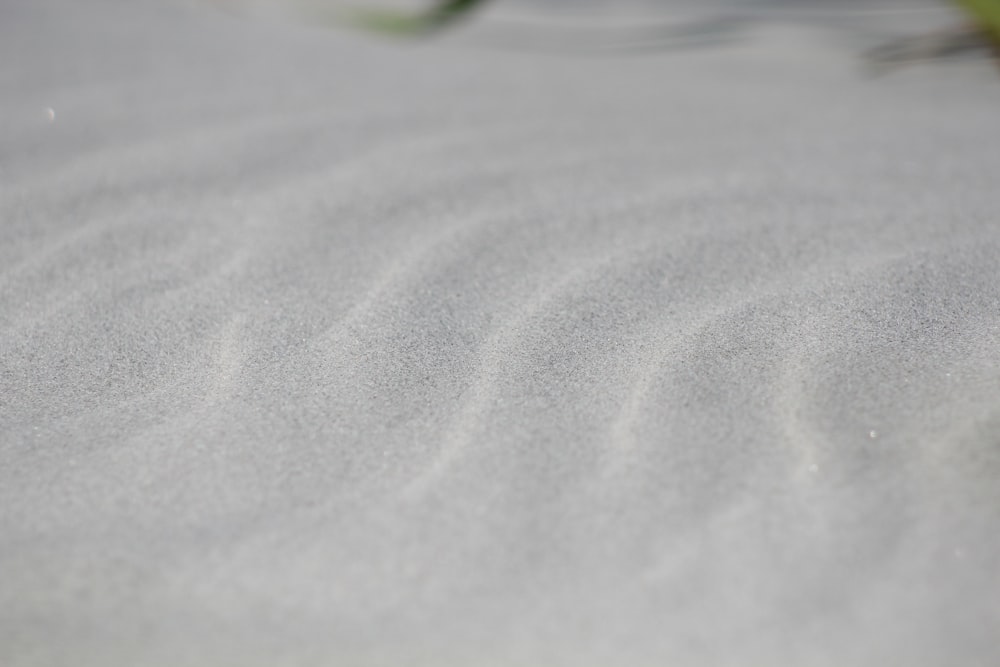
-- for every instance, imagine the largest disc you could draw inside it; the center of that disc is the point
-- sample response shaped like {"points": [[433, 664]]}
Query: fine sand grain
{"points": [[317, 349]]}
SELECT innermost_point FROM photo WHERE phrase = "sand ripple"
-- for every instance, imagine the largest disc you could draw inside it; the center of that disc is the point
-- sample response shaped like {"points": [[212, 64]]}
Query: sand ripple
{"points": [[372, 355]]}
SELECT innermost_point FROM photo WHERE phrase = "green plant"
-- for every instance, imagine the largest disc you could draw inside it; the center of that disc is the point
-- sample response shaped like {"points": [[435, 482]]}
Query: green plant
{"points": [[986, 15], [442, 14]]}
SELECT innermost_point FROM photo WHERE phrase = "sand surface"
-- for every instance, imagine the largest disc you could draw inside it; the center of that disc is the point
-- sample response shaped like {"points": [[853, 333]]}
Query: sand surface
{"points": [[317, 349]]}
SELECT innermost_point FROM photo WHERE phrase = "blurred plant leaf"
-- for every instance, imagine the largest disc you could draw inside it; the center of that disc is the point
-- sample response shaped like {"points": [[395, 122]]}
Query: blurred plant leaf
{"points": [[986, 14], [399, 23]]}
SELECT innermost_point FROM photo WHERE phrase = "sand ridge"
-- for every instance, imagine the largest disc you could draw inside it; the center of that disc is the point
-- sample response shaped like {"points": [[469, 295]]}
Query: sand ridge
{"points": [[316, 349]]}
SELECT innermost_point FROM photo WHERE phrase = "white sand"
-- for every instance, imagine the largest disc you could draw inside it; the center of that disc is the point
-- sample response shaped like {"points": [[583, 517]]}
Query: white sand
{"points": [[321, 350]]}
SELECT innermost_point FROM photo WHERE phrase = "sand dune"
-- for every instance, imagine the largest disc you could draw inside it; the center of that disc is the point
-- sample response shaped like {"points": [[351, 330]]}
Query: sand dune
{"points": [[322, 350]]}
